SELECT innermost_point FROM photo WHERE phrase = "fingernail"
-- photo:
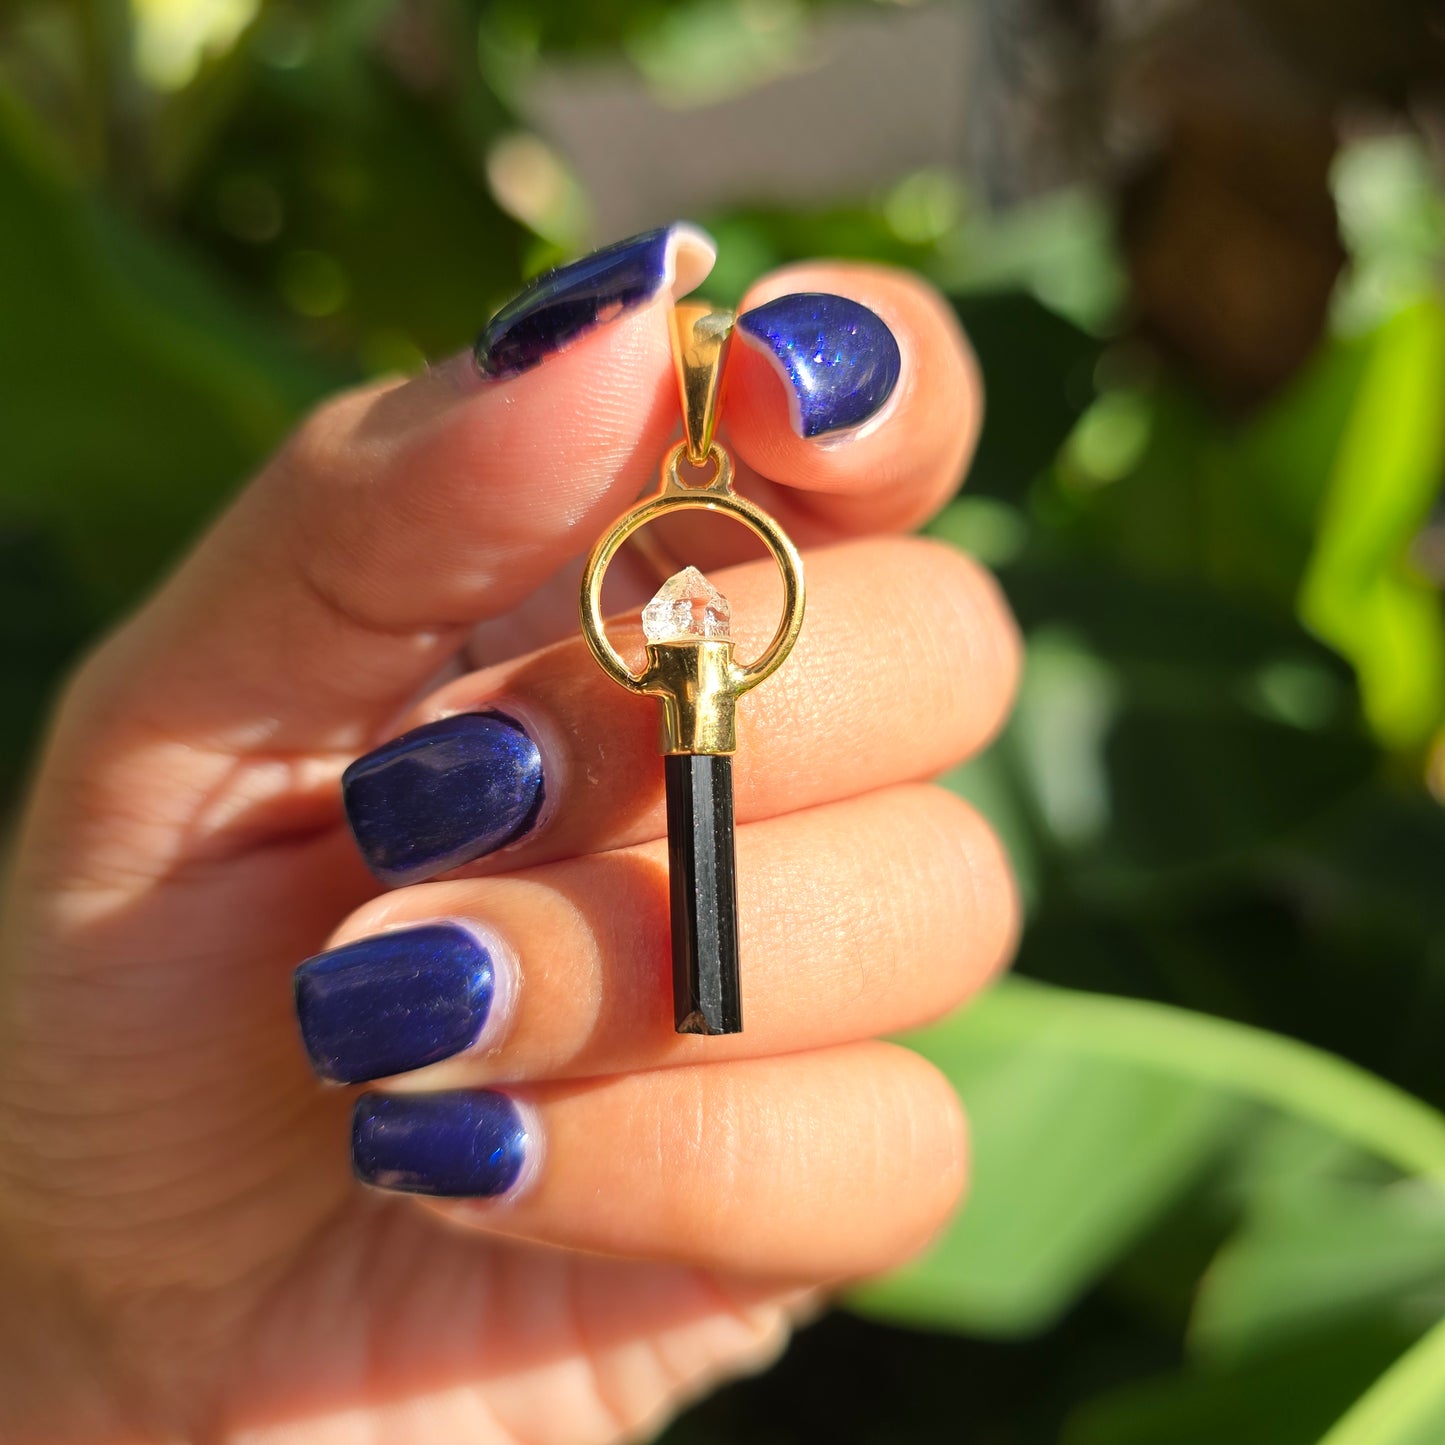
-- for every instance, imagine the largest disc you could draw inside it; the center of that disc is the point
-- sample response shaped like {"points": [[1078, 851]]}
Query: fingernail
{"points": [[839, 358], [443, 794], [567, 303], [465, 1143], [399, 1001]]}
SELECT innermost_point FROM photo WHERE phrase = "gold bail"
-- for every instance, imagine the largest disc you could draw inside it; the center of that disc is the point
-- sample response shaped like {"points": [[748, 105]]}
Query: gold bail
{"points": [[699, 346]]}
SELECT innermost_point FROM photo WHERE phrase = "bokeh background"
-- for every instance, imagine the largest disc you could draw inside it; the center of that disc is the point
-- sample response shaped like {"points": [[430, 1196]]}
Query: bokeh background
{"points": [[1197, 247]]}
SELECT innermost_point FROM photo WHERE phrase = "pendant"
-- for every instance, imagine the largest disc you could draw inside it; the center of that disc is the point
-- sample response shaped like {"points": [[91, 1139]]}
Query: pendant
{"points": [[691, 669]]}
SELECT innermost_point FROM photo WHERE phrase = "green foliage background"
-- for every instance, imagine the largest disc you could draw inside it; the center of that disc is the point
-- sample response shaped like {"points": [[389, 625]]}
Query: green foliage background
{"points": [[1210, 1152]]}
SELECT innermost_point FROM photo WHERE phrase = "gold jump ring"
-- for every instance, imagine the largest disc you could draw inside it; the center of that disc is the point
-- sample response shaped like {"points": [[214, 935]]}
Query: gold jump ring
{"points": [[676, 496]]}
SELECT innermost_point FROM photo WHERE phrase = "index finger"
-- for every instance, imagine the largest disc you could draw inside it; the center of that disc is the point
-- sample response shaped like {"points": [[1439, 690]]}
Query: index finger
{"points": [[400, 514]]}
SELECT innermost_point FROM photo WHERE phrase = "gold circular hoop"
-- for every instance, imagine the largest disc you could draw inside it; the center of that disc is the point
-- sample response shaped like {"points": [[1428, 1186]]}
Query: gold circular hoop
{"points": [[713, 496]]}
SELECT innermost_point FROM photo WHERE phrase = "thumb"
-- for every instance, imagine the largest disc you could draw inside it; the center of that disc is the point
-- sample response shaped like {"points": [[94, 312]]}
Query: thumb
{"points": [[403, 513]]}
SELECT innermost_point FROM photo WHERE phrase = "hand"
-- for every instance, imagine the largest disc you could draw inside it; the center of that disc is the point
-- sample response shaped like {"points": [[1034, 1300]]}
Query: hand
{"points": [[184, 1252]]}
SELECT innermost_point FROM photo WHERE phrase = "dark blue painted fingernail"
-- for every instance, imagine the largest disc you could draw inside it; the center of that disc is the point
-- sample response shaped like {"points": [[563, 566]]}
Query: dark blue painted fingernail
{"points": [[398, 1001], [466, 1143], [443, 795], [840, 359], [567, 303]]}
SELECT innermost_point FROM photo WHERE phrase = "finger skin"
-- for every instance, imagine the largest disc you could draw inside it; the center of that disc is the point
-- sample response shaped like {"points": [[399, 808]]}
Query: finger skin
{"points": [[351, 574], [825, 1165], [862, 917], [892, 472], [907, 663], [176, 1163], [398, 516], [402, 514], [457, 1342]]}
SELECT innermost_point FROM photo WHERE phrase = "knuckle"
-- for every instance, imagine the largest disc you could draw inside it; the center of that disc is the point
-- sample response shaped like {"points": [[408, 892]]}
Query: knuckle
{"points": [[94, 714], [89, 686], [324, 500], [316, 447], [325, 470]]}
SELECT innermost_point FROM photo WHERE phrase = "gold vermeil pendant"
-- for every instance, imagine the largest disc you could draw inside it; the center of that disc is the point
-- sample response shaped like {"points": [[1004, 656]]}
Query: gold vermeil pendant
{"points": [[692, 670]]}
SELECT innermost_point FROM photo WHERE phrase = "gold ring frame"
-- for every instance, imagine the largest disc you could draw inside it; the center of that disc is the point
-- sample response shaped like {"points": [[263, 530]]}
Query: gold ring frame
{"points": [[713, 496]]}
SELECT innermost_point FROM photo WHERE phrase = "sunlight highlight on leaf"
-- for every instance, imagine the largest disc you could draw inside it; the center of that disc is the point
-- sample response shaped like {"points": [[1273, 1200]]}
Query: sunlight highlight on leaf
{"points": [[746, 42], [174, 37], [1360, 592], [1406, 1406]]}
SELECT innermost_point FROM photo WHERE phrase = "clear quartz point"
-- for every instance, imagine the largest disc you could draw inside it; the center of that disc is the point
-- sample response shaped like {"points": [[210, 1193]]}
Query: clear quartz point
{"points": [[687, 606]]}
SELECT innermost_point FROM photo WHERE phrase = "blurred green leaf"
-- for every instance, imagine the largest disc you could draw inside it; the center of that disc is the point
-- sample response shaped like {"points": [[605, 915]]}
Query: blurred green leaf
{"points": [[992, 532], [1072, 1156], [1089, 1114], [351, 194], [1406, 1406], [1068, 706], [755, 239], [1361, 593], [1160, 728], [1286, 1398], [1224, 505], [42, 619], [1243, 1062], [1393, 220], [1038, 375], [1318, 1255], [134, 391], [1058, 247], [703, 51]]}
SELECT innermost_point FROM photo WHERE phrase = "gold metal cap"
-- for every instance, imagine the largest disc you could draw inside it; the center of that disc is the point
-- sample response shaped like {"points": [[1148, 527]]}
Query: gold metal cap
{"points": [[700, 336]]}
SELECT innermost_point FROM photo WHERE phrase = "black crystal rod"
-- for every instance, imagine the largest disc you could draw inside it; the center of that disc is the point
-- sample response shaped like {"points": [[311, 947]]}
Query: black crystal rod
{"points": [[706, 991]]}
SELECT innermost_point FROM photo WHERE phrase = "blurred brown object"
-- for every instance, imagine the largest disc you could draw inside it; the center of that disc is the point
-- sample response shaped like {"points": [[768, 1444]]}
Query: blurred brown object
{"points": [[1215, 124], [1229, 235]]}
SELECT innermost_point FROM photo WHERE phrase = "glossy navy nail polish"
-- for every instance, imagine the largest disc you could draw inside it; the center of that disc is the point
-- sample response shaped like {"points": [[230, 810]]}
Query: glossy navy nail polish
{"points": [[564, 304], [840, 358], [465, 1143], [443, 795], [394, 1002]]}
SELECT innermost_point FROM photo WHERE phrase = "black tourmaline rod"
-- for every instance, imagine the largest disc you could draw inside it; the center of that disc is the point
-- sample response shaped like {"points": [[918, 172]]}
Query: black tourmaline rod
{"points": [[690, 668], [706, 992]]}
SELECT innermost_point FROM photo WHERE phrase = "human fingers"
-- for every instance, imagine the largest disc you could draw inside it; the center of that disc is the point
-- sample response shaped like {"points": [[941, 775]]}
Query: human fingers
{"points": [[907, 663], [828, 1164], [861, 917], [854, 400], [402, 513]]}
